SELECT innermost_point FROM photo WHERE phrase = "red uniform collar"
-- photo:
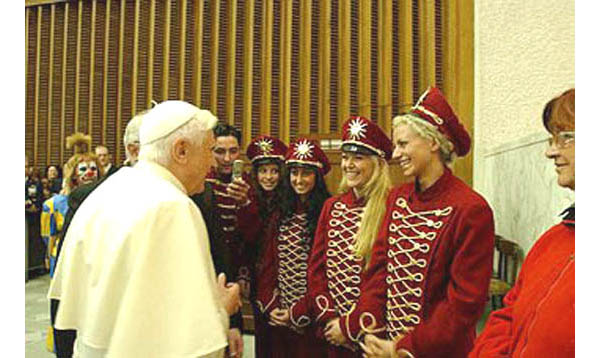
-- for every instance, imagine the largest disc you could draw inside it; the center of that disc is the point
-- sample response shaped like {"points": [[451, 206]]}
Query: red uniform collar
{"points": [[438, 188]]}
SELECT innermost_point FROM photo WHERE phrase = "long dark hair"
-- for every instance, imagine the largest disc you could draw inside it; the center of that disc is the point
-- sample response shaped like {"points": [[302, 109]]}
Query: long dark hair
{"points": [[316, 199], [268, 204]]}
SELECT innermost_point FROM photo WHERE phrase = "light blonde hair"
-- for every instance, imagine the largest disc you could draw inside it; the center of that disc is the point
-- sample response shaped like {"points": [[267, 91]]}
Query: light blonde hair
{"points": [[428, 131], [375, 192]]}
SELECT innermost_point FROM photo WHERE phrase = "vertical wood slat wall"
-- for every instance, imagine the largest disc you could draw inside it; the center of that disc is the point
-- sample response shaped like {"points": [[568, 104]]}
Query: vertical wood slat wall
{"points": [[284, 68]]}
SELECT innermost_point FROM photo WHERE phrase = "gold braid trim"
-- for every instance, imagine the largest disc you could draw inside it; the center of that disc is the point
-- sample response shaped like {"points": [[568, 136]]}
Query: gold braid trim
{"points": [[302, 321], [324, 307], [264, 308]]}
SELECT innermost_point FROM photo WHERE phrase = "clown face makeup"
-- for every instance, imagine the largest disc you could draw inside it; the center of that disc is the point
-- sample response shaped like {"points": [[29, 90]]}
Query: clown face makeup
{"points": [[87, 172]]}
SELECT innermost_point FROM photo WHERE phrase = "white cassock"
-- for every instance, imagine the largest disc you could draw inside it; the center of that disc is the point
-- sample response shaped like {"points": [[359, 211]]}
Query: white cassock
{"points": [[135, 276]]}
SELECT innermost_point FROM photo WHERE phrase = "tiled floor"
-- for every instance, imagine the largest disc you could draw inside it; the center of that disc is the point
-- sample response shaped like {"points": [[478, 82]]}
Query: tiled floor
{"points": [[37, 319]]}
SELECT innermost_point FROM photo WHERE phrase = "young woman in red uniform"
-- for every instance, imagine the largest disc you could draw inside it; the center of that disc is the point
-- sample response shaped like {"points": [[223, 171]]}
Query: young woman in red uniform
{"points": [[258, 223], [344, 236], [538, 318], [435, 251], [284, 282]]}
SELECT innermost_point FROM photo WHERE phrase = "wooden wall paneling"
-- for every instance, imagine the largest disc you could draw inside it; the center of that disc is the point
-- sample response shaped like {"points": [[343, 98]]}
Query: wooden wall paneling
{"points": [[120, 95], [135, 59], [150, 55], [405, 61], [50, 85], [97, 75], [63, 92], [231, 60], [458, 71], [214, 57], [248, 73], [105, 71], [36, 96], [166, 51], [91, 74], [364, 59], [426, 44], [198, 35], [343, 102], [28, 129], [267, 49], [324, 110], [140, 79], [84, 18], [77, 66], [182, 41], [305, 67], [384, 80], [189, 47], [285, 70]]}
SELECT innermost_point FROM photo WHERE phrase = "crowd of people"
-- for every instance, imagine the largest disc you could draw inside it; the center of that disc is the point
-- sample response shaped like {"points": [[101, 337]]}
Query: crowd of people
{"points": [[155, 256]]}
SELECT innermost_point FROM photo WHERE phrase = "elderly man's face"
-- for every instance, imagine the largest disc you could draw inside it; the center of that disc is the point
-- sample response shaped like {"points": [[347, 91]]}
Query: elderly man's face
{"points": [[103, 155], [225, 151], [202, 161]]}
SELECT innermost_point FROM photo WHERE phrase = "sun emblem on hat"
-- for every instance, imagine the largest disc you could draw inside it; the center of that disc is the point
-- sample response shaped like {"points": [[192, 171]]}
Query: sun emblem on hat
{"points": [[265, 145], [304, 149], [358, 129]]}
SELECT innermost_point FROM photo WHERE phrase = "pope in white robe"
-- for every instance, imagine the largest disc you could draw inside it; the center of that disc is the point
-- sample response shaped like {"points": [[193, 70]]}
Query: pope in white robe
{"points": [[136, 278]]}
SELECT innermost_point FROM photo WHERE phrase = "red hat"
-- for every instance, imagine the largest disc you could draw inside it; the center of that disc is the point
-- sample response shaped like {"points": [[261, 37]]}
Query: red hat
{"points": [[433, 107], [359, 132], [265, 147], [307, 152]]}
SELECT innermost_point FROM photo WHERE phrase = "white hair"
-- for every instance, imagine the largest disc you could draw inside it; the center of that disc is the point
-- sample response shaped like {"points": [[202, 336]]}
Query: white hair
{"points": [[428, 131], [194, 130], [132, 131]]}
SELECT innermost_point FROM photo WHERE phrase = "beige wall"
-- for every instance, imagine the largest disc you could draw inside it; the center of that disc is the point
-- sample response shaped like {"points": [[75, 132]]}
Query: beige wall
{"points": [[524, 55]]}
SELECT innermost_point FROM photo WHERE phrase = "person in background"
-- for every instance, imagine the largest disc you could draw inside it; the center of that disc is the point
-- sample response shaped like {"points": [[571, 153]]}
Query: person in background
{"points": [[82, 168], [307, 165], [65, 339], [538, 318], [33, 207], [434, 253], [224, 196], [344, 236], [105, 160], [136, 279], [267, 197], [54, 177]]}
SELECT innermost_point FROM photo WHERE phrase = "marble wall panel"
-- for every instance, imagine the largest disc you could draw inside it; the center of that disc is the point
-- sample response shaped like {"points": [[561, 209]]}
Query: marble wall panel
{"points": [[520, 185]]}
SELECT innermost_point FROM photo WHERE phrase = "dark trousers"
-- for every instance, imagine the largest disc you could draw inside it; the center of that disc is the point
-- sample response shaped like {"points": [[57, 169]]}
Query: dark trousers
{"points": [[63, 339]]}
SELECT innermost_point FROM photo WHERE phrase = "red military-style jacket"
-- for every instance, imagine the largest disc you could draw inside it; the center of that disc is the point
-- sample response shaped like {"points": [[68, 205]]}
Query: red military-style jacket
{"points": [[261, 237], [334, 272], [538, 319], [427, 283], [226, 208]]}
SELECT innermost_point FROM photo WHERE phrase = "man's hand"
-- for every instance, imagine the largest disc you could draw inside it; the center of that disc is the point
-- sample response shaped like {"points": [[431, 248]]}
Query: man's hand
{"points": [[333, 333], [229, 294], [238, 189], [279, 317], [375, 347], [236, 343]]}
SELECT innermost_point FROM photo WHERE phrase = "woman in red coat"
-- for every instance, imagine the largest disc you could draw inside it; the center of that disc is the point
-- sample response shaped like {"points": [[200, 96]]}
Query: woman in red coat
{"points": [[345, 234], [433, 259], [258, 224], [284, 282], [538, 318]]}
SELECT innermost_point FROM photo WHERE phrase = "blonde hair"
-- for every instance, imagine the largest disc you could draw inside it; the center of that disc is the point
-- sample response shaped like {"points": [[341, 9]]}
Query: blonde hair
{"points": [[428, 131], [375, 192]]}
